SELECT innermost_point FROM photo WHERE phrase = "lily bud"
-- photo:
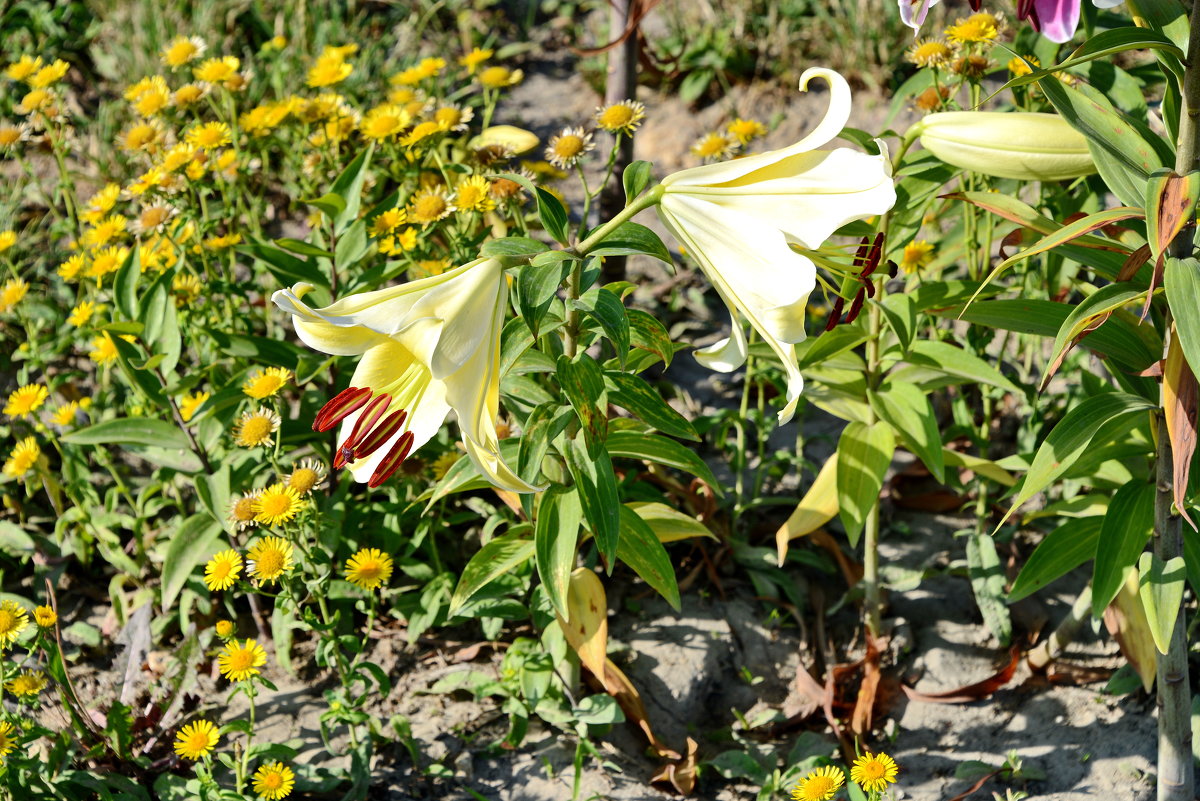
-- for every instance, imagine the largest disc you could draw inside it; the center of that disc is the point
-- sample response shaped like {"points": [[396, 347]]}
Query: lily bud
{"points": [[1024, 145]]}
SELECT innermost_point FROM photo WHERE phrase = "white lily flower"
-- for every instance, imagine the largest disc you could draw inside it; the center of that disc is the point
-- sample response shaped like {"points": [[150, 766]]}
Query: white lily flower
{"points": [[428, 347], [738, 218]]}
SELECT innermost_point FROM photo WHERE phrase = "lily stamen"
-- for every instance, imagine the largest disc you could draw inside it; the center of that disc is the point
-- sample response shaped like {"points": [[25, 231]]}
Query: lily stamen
{"points": [[394, 458], [374, 440], [344, 404]]}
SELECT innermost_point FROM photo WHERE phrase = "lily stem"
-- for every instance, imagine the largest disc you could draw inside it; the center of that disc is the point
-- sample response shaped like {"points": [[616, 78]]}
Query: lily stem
{"points": [[1176, 778]]}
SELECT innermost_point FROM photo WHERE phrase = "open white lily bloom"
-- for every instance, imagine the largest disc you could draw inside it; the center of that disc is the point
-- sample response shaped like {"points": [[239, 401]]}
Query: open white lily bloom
{"points": [[738, 218], [427, 347]]}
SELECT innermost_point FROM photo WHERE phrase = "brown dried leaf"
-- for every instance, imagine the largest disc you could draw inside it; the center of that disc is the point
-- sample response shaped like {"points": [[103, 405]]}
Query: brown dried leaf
{"points": [[1126, 621], [682, 773], [864, 705], [618, 685], [971, 692], [1179, 397]]}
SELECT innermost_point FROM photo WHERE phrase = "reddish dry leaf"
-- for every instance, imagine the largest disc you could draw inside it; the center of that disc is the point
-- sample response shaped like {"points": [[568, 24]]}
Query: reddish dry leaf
{"points": [[1133, 263], [1179, 397], [1096, 322], [1011, 240], [864, 704], [971, 692], [1174, 209], [618, 685], [681, 774], [975, 787], [1156, 277], [809, 695]]}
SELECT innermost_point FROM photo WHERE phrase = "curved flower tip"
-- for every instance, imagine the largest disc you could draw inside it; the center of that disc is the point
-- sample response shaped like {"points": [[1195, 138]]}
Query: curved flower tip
{"points": [[428, 347], [739, 219], [913, 12]]}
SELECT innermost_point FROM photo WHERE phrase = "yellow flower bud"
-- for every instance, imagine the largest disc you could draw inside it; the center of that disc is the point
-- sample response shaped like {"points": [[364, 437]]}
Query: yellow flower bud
{"points": [[1023, 145]]}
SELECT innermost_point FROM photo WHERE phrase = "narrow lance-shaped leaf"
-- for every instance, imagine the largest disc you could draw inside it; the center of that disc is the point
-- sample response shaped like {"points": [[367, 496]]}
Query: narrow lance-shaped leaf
{"points": [[1062, 236], [864, 454], [1126, 528], [1084, 319], [501, 555], [1097, 420], [555, 536], [1161, 590]]}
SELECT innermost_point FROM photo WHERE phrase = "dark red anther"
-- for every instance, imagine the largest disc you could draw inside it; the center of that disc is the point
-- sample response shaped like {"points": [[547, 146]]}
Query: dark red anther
{"points": [[395, 456], [835, 314], [976, 5], [344, 404], [870, 287], [873, 256], [365, 422], [856, 306], [860, 255], [374, 440], [892, 269]]}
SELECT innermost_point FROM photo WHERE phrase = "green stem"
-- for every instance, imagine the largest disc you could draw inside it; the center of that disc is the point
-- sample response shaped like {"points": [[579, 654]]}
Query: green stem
{"points": [[650, 198], [1175, 772]]}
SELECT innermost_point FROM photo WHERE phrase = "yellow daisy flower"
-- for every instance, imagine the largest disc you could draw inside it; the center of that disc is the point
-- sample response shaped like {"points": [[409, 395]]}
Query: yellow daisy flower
{"points": [[65, 415], [70, 269], [12, 293], [453, 118], [277, 504], [27, 683], [186, 289], [8, 738], [190, 404], [623, 117], [104, 350], [13, 620], [209, 135], [500, 77], [369, 568], [256, 427], [242, 510], [240, 662], [26, 400], [269, 558], [7, 240], [820, 785], [218, 70], [874, 772], [429, 206], [980, 27], [22, 458], [568, 147], [387, 221], [44, 616], [222, 570], [196, 740], [474, 194], [49, 74], [917, 254], [473, 59], [929, 53], [224, 629], [384, 122], [746, 131], [715, 147], [81, 314], [421, 132], [265, 383], [274, 780], [22, 68], [443, 463], [330, 68], [402, 242], [181, 50], [306, 476]]}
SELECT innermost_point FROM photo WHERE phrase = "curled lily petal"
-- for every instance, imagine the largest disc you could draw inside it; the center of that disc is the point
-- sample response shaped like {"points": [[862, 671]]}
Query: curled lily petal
{"points": [[738, 219]]}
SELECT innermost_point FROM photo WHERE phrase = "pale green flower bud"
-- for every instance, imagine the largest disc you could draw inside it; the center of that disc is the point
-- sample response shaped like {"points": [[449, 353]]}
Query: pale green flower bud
{"points": [[1024, 145]]}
